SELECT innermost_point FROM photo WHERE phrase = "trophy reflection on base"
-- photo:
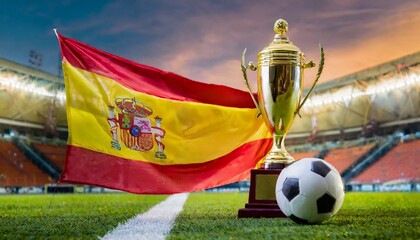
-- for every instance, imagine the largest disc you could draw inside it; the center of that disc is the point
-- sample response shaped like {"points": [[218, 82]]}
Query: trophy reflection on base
{"points": [[280, 84]]}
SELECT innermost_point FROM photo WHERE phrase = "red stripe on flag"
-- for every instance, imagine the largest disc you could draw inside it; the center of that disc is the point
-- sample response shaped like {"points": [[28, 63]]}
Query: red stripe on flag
{"points": [[150, 80], [89, 167]]}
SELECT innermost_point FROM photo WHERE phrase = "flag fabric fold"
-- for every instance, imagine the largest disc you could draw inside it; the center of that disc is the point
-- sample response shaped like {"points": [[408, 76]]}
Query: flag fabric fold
{"points": [[139, 129]]}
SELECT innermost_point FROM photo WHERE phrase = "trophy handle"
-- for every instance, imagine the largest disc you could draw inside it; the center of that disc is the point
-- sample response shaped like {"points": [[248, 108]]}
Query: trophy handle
{"points": [[252, 67], [320, 68]]}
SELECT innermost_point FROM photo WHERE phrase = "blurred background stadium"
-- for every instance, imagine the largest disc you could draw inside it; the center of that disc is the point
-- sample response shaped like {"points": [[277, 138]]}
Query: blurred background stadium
{"points": [[367, 124]]}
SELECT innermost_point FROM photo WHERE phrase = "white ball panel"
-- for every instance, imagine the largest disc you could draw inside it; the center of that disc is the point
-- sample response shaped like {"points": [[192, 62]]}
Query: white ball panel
{"points": [[302, 207], [338, 203], [313, 186], [280, 181], [335, 184], [296, 169], [283, 203]]}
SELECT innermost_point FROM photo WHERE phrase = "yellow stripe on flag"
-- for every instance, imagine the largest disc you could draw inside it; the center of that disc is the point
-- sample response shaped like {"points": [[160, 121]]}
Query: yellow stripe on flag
{"points": [[195, 132]]}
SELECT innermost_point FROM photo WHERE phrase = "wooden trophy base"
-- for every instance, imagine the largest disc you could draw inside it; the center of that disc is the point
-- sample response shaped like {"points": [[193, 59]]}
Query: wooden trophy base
{"points": [[262, 195]]}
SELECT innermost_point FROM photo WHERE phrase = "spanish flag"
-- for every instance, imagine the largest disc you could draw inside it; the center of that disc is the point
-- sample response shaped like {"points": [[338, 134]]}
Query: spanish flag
{"points": [[139, 129]]}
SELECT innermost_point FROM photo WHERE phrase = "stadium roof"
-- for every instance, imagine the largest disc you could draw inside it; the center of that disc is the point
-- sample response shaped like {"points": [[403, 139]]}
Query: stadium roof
{"points": [[30, 98], [386, 95], [36, 73], [370, 73]]}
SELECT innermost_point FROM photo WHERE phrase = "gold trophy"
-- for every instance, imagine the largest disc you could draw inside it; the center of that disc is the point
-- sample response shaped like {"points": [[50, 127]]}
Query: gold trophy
{"points": [[280, 85]]}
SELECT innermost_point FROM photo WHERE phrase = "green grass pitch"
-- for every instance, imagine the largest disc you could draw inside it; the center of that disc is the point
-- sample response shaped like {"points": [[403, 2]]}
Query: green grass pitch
{"points": [[205, 216], [362, 216], [73, 216]]}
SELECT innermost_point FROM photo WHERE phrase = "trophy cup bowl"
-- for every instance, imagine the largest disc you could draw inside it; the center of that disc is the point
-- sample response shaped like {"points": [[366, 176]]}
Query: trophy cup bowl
{"points": [[280, 85]]}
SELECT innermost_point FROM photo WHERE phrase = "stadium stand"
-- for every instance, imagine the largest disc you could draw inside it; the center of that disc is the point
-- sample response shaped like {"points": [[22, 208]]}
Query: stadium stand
{"points": [[300, 155], [56, 154], [343, 158], [400, 163], [17, 170]]}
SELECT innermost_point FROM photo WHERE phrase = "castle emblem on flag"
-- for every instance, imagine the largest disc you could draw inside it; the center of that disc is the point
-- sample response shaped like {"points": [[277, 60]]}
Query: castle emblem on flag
{"points": [[135, 127]]}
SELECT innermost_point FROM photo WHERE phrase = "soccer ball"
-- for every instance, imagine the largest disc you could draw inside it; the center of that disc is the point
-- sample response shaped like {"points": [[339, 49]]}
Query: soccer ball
{"points": [[309, 191]]}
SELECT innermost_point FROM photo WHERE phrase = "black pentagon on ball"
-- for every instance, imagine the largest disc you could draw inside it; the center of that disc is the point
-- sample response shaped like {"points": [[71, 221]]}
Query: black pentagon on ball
{"points": [[325, 204], [290, 188], [320, 168], [298, 220]]}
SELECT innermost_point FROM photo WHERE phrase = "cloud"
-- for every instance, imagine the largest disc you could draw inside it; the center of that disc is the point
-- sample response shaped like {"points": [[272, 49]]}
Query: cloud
{"points": [[211, 42], [208, 46], [398, 37], [331, 15], [204, 40]]}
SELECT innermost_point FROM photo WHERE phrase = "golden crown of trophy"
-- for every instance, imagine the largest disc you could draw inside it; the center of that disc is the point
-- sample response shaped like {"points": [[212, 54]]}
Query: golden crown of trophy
{"points": [[280, 85]]}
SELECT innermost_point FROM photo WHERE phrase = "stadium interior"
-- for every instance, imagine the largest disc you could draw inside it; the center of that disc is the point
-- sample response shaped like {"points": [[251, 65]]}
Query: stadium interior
{"points": [[366, 124]]}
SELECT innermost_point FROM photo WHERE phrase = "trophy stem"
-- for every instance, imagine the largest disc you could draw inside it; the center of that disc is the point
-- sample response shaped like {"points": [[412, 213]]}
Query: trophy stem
{"points": [[278, 157]]}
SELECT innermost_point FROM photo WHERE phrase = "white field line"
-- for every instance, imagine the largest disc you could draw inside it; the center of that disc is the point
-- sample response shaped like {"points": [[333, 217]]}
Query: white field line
{"points": [[154, 224]]}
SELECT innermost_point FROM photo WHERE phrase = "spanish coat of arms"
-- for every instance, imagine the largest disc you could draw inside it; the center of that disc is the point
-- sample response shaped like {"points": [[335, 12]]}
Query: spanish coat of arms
{"points": [[135, 127]]}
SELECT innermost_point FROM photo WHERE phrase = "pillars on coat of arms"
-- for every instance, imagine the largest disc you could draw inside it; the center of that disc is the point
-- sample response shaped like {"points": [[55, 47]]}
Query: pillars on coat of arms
{"points": [[113, 123], [159, 133]]}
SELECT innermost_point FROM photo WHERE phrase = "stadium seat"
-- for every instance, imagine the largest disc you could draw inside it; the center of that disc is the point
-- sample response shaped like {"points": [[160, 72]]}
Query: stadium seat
{"points": [[400, 162], [17, 170], [343, 158]]}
